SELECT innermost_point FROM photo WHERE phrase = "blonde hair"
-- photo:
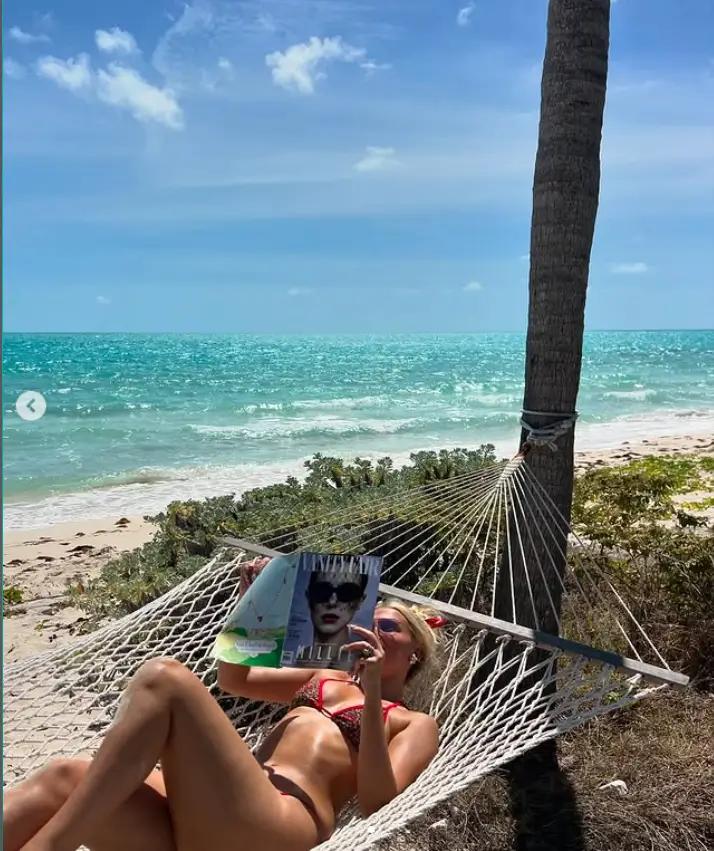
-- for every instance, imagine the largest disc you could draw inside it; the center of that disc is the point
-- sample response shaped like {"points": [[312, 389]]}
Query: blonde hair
{"points": [[425, 637]]}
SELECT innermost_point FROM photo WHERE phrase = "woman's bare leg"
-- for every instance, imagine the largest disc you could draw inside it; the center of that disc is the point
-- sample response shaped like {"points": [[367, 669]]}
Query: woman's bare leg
{"points": [[217, 792], [142, 823]]}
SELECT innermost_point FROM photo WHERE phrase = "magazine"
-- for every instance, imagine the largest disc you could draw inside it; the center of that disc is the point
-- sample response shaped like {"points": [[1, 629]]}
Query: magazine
{"points": [[254, 631], [298, 611]]}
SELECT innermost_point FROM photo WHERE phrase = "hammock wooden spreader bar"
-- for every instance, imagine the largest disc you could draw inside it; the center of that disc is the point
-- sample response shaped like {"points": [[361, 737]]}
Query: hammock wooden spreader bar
{"points": [[541, 639]]}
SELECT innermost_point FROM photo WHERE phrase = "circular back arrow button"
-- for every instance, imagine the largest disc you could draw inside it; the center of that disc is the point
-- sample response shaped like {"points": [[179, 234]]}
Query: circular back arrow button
{"points": [[31, 405]]}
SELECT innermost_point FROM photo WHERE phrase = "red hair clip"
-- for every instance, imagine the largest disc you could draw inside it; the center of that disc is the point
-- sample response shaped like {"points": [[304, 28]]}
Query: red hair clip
{"points": [[436, 622]]}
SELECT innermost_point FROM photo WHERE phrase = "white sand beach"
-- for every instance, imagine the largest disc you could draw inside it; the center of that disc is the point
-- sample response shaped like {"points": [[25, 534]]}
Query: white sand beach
{"points": [[41, 562]]}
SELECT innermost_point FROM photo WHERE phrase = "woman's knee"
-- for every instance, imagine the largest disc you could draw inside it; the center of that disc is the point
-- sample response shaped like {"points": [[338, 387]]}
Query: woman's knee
{"points": [[163, 675], [58, 779]]}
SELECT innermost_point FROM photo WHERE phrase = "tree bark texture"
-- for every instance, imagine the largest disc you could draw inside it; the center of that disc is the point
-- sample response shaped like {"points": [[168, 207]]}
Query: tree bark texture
{"points": [[566, 190]]}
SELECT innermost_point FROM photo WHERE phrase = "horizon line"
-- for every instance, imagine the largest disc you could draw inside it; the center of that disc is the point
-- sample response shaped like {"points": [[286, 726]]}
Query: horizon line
{"points": [[337, 333]]}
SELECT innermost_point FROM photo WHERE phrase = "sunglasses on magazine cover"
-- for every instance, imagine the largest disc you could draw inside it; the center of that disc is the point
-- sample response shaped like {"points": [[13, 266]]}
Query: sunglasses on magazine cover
{"points": [[345, 592]]}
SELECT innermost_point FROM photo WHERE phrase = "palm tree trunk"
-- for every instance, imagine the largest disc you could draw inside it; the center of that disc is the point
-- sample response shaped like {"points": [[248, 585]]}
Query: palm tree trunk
{"points": [[566, 190]]}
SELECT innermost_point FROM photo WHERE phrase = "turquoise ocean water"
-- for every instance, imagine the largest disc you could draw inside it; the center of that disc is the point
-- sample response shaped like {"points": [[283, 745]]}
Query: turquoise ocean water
{"points": [[135, 421]]}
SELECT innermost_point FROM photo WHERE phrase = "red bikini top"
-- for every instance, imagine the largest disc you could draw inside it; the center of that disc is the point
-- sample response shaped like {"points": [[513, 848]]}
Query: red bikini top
{"points": [[349, 719]]}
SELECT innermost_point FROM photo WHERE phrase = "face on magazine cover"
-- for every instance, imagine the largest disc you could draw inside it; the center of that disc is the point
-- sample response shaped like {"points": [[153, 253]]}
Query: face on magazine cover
{"points": [[334, 599]]}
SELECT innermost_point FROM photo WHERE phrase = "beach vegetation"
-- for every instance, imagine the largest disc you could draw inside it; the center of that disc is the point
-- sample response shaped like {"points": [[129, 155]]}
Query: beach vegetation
{"points": [[12, 595], [699, 504], [188, 532], [609, 501], [658, 554]]}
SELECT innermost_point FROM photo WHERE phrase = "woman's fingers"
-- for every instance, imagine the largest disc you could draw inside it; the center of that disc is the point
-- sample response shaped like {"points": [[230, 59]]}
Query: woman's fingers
{"points": [[249, 571], [367, 634], [357, 647], [363, 647]]}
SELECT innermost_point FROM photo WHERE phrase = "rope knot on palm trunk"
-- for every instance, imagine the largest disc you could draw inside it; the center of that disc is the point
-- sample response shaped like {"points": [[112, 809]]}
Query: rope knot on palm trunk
{"points": [[546, 435]]}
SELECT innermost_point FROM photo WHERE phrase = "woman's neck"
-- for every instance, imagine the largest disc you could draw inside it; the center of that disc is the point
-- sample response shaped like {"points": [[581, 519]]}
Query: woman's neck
{"points": [[393, 690]]}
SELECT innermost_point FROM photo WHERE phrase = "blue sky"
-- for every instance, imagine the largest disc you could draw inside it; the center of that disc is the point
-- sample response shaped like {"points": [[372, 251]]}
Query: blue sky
{"points": [[336, 165]]}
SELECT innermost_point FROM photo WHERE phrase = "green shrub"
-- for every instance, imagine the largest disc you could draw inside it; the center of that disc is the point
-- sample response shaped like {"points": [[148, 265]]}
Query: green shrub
{"points": [[277, 516], [12, 595], [609, 501], [658, 555]]}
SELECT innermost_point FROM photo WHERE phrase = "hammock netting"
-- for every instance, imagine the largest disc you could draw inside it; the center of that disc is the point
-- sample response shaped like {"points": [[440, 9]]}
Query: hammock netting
{"points": [[488, 549]]}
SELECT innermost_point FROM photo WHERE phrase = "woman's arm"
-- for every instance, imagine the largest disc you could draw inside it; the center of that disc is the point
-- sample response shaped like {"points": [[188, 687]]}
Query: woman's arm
{"points": [[273, 685], [384, 770]]}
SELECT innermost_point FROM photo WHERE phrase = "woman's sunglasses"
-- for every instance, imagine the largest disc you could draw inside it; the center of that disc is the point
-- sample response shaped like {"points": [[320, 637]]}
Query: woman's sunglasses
{"points": [[347, 592], [388, 625]]}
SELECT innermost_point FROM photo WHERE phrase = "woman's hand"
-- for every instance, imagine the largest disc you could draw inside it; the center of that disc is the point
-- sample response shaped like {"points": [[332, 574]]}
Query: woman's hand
{"points": [[249, 571], [369, 664]]}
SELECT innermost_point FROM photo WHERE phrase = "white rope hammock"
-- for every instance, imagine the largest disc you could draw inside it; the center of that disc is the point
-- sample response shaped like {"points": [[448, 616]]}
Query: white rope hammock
{"points": [[502, 688]]}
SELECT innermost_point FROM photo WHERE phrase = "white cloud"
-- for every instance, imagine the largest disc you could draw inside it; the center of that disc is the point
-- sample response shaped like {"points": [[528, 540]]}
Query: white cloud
{"points": [[378, 159], [13, 69], [525, 257], [638, 268], [458, 154], [118, 86], [371, 67], [225, 64], [463, 19], [473, 287], [299, 291], [297, 68], [72, 74], [102, 299], [23, 37], [126, 89], [116, 40]]}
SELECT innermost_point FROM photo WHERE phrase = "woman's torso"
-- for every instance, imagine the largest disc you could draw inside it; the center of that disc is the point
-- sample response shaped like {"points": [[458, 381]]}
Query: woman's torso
{"points": [[313, 752]]}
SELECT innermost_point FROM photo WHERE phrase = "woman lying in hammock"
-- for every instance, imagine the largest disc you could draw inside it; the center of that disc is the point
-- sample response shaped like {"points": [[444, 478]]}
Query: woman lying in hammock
{"points": [[343, 736]]}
